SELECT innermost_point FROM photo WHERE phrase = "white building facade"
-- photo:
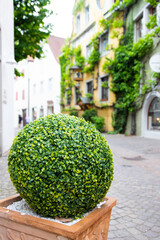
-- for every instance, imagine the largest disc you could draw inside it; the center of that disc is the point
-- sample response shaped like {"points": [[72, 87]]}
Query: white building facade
{"points": [[6, 75], [39, 89]]}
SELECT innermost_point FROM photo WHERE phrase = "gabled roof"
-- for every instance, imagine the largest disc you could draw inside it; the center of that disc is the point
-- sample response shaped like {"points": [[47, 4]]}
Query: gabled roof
{"points": [[56, 44]]}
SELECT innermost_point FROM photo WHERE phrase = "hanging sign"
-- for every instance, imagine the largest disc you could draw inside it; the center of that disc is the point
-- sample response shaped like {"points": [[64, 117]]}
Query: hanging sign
{"points": [[155, 62]]}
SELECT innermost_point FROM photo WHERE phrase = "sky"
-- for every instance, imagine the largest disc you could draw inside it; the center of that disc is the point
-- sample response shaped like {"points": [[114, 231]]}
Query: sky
{"points": [[62, 17]]}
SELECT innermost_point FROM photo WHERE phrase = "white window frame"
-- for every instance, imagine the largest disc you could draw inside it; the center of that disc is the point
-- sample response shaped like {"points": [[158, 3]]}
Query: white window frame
{"points": [[41, 86], [87, 14], [50, 84], [100, 88], [144, 13], [90, 80], [66, 104], [103, 52], [88, 50], [78, 23], [76, 86], [34, 89]]}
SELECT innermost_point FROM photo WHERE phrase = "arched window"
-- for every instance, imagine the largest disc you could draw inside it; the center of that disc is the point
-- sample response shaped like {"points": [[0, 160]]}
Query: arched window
{"points": [[154, 115]]}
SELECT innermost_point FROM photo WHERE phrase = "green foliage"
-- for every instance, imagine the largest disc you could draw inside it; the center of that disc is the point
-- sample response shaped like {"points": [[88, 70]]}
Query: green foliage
{"points": [[121, 5], [17, 73], [91, 116], [125, 71], [79, 4], [152, 2], [94, 56], [142, 47], [30, 30], [61, 165], [79, 59], [152, 22], [98, 122], [89, 95], [89, 113], [119, 119], [65, 62], [73, 112]]}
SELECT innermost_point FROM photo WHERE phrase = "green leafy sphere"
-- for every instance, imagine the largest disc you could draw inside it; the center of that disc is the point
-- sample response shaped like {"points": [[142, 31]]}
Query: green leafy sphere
{"points": [[61, 165]]}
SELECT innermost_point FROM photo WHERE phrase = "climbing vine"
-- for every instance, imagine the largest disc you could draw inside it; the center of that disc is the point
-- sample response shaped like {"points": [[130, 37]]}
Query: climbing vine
{"points": [[78, 6], [66, 62], [79, 59], [126, 70], [94, 56]]}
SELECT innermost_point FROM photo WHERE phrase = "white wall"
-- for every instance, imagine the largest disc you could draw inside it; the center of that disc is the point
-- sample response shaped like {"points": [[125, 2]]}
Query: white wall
{"points": [[38, 71], [43, 70], [145, 132], [6, 75]]}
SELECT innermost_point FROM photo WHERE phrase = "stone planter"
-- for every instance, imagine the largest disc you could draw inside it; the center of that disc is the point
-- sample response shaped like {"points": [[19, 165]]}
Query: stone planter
{"points": [[15, 226]]}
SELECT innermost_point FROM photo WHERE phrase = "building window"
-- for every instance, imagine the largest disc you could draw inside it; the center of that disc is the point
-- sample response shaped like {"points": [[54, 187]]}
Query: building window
{"points": [[34, 113], [89, 89], [68, 97], [41, 87], [50, 84], [16, 96], [41, 112], [154, 115], [104, 41], [104, 88], [34, 89], [88, 50], [100, 3], [50, 107], [78, 23], [77, 94], [138, 26], [23, 95], [152, 10], [50, 110], [87, 17]]}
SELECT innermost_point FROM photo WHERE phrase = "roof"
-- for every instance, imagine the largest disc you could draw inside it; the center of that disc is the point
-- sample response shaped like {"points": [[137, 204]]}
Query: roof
{"points": [[56, 44]]}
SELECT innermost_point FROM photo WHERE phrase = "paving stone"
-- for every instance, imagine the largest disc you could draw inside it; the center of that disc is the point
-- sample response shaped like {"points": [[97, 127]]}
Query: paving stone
{"points": [[138, 221], [136, 186], [130, 224], [151, 234], [141, 237], [134, 231], [142, 228], [156, 229]]}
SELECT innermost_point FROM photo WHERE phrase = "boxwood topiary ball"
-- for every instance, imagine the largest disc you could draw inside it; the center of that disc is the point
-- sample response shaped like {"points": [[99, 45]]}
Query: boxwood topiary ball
{"points": [[61, 165]]}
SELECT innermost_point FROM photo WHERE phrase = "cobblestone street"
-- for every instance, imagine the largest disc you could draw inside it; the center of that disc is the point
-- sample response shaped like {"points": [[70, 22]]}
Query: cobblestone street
{"points": [[136, 187]]}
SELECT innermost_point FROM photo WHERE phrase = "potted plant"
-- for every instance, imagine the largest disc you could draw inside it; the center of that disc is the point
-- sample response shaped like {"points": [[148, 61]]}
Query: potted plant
{"points": [[63, 167]]}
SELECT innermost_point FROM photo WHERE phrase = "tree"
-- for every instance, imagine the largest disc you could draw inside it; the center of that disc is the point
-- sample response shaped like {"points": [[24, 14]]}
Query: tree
{"points": [[30, 29]]}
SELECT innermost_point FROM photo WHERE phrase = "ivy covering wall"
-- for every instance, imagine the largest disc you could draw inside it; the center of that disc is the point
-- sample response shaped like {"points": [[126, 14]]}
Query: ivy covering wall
{"points": [[126, 69]]}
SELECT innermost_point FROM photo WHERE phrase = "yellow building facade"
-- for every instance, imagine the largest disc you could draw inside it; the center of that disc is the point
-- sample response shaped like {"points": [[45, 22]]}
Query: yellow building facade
{"points": [[92, 88]]}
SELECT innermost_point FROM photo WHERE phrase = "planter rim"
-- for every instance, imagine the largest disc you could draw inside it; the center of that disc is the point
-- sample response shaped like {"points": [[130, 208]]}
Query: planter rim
{"points": [[51, 226]]}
